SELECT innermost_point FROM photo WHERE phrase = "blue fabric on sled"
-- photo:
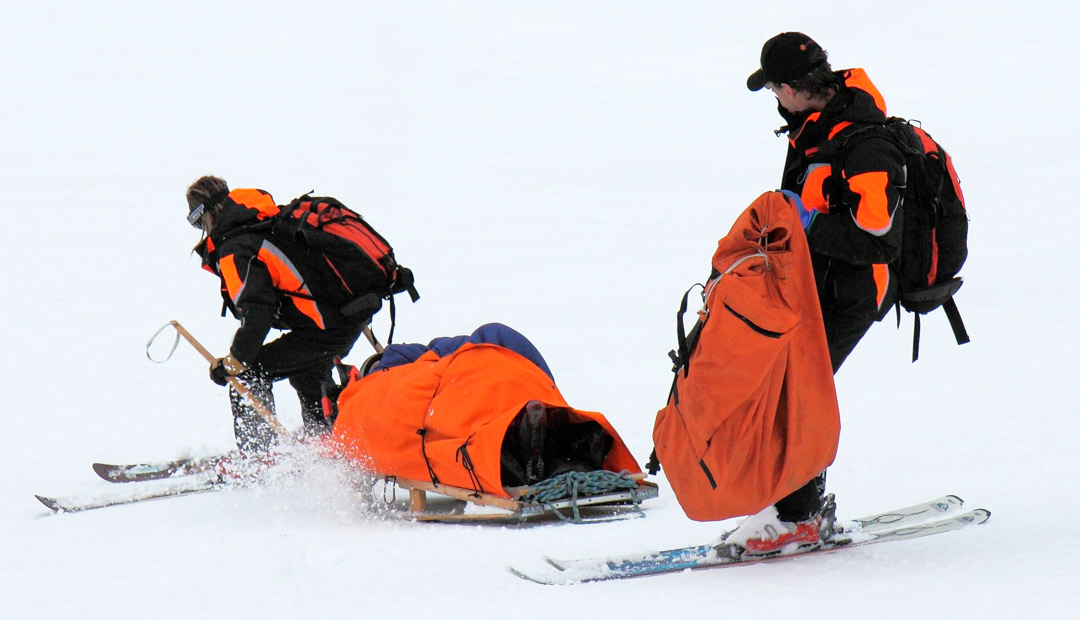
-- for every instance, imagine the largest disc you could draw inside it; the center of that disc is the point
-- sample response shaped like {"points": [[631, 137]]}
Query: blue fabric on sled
{"points": [[491, 333]]}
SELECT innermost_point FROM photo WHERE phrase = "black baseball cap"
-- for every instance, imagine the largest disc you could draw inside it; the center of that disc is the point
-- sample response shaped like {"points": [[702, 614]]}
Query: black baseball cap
{"points": [[784, 58]]}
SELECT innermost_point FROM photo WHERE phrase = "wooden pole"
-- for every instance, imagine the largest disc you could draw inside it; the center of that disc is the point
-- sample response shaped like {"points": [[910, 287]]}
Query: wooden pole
{"points": [[245, 393], [372, 339]]}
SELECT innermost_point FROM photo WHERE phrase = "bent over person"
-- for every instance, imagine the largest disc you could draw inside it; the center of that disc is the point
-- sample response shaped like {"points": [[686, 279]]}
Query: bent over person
{"points": [[851, 198], [270, 282]]}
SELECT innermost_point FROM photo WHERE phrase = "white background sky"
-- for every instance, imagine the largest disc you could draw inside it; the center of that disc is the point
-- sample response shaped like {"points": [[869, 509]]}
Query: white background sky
{"points": [[562, 167]]}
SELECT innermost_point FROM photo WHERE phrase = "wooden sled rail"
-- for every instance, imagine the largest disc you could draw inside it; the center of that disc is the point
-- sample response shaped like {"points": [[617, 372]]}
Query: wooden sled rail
{"points": [[614, 504]]}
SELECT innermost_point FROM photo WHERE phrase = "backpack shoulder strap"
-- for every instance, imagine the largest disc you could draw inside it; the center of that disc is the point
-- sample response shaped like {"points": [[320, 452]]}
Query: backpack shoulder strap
{"points": [[895, 130], [838, 150], [261, 227]]}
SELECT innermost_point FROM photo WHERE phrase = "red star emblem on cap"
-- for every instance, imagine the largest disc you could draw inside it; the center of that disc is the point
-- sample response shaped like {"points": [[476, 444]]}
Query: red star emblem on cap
{"points": [[803, 47]]}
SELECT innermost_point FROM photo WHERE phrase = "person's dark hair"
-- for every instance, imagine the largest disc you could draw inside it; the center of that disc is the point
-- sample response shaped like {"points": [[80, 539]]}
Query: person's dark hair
{"points": [[208, 190], [820, 81], [204, 198]]}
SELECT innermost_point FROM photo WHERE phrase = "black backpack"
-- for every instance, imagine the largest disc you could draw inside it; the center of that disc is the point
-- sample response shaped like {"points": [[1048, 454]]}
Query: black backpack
{"points": [[934, 244], [358, 255]]}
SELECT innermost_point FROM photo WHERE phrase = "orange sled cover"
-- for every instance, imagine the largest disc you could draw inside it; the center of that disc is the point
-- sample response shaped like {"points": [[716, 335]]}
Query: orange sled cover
{"points": [[447, 417], [753, 416]]}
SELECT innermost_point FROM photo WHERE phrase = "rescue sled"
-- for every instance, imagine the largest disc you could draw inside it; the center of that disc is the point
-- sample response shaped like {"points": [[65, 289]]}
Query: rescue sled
{"points": [[477, 423]]}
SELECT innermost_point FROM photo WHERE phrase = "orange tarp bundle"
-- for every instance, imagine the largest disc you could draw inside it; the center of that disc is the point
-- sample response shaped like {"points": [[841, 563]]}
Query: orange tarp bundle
{"points": [[447, 417], [754, 415]]}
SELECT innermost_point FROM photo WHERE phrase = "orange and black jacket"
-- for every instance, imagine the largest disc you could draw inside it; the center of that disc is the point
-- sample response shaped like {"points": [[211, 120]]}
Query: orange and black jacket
{"points": [[267, 281], [854, 190]]}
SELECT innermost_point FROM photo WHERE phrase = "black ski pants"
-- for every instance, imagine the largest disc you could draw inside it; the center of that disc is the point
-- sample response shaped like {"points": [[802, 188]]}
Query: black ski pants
{"points": [[306, 359], [848, 307]]}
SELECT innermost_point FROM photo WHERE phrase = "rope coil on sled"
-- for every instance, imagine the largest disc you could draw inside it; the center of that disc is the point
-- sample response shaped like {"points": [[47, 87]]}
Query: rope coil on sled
{"points": [[573, 484]]}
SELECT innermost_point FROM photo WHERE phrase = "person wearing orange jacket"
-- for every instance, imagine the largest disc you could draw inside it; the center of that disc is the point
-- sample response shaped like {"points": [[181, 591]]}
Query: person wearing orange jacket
{"points": [[270, 282], [851, 198]]}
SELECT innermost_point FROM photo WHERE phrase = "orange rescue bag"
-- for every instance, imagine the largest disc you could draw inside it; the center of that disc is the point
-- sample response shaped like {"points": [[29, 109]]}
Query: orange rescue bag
{"points": [[752, 415]]}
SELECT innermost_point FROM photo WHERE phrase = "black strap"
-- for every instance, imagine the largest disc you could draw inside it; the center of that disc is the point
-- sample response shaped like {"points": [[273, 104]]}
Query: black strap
{"points": [[404, 281], [423, 452], [915, 339], [369, 304], [466, 462], [393, 321], [653, 466], [682, 358], [956, 322], [708, 474]]}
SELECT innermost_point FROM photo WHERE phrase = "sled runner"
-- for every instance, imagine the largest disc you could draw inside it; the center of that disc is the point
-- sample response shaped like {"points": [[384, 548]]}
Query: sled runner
{"points": [[458, 505]]}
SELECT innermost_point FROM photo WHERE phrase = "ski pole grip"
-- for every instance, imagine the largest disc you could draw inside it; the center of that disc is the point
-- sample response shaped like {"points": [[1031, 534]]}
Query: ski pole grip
{"points": [[245, 393]]}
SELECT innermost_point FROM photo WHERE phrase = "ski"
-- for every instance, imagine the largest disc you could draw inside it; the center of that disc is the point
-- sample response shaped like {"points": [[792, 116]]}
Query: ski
{"points": [[157, 471], [916, 513], [919, 524], [892, 519], [78, 503], [172, 479]]}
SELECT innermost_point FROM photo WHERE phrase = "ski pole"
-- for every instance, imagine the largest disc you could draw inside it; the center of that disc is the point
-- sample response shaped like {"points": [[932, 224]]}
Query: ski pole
{"points": [[245, 393], [370, 335]]}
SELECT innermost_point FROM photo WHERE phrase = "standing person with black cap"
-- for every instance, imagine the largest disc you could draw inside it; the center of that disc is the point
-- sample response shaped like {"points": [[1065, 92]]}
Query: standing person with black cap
{"points": [[270, 282], [851, 200]]}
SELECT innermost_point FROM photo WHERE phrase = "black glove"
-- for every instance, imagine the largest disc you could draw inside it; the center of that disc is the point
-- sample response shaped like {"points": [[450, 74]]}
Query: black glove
{"points": [[224, 368]]}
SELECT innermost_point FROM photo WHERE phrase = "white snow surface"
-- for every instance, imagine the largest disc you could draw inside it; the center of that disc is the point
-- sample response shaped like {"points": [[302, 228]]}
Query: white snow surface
{"points": [[566, 168]]}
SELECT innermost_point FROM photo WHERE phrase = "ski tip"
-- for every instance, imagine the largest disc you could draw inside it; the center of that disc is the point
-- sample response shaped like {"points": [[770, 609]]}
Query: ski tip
{"points": [[980, 516], [49, 502], [554, 563], [515, 572], [104, 470], [956, 499]]}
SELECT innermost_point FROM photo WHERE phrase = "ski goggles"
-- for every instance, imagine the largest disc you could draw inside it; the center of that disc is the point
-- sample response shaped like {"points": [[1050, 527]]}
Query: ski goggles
{"points": [[195, 215]]}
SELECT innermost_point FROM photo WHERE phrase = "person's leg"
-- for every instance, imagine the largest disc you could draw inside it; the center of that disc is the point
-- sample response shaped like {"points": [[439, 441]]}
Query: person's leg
{"points": [[848, 298], [804, 503], [253, 433], [306, 359], [310, 386], [843, 332]]}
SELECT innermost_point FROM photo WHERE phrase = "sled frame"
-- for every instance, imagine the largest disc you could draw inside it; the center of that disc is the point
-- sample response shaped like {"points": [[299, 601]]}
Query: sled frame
{"points": [[616, 505]]}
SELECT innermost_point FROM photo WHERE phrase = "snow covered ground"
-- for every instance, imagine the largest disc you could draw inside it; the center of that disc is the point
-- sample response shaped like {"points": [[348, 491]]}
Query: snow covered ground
{"points": [[564, 167]]}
